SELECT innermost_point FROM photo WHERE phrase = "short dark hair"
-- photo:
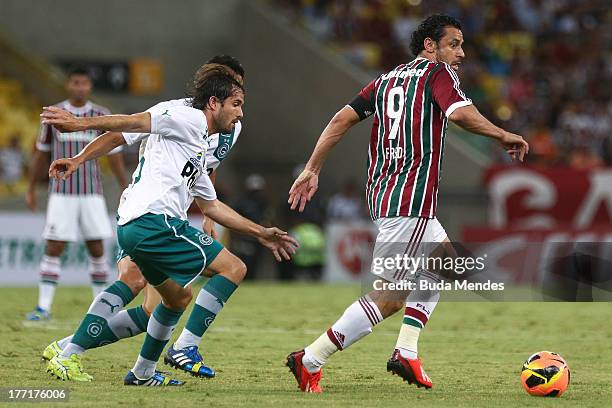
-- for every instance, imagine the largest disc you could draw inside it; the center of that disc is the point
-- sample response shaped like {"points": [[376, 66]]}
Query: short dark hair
{"points": [[213, 80], [228, 61], [432, 27], [78, 70]]}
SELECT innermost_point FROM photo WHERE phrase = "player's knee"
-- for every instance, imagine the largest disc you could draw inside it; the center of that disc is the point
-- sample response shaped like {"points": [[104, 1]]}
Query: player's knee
{"points": [[182, 300], [390, 307], [397, 306], [238, 271], [55, 248], [130, 274]]}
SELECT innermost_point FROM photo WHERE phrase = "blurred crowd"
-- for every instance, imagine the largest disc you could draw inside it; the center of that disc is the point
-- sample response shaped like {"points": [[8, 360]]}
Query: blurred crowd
{"points": [[308, 227], [12, 164], [540, 68]]}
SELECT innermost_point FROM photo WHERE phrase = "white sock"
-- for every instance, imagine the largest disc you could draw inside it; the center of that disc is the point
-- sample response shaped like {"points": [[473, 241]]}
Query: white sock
{"points": [[50, 268], [64, 342], [420, 305], [407, 341], [123, 326], [316, 355], [71, 349], [46, 293], [186, 339], [356, 322], [144, 369], [98, 271]]}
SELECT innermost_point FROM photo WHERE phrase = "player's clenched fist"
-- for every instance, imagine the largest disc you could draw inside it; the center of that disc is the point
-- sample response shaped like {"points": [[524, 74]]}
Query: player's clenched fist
{"points": [[62, 120], [63, 168]]}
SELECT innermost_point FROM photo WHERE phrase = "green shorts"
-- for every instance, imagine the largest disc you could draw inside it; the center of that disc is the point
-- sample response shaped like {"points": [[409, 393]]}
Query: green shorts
{"points": [[165, 247]]}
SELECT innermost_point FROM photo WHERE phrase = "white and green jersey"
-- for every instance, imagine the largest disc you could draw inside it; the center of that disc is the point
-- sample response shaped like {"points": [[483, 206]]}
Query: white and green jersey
{"points": [[172, 169], [219, 144]]}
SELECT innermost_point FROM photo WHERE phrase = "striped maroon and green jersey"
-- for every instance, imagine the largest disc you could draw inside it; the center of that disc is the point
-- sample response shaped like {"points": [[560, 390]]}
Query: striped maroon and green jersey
{"points": [[86, 180], [411, 105]]}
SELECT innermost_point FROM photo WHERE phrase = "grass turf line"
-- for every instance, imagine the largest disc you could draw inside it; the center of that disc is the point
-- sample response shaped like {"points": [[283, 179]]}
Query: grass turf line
{"points": [[472, 351]]}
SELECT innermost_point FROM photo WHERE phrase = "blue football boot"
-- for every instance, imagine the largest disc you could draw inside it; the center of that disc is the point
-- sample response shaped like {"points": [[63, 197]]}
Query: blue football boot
{"points": [[189, 360], [157, 380], [38, 314]]}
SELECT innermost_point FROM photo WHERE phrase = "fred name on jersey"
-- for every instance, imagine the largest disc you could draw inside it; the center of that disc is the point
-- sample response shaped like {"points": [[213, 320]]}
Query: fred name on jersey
{"points": [[394, 153]]}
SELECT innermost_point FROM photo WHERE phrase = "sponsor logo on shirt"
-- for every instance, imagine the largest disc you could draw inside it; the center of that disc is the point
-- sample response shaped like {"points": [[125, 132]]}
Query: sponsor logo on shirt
{"points": [[404, 73], [191, 170]]}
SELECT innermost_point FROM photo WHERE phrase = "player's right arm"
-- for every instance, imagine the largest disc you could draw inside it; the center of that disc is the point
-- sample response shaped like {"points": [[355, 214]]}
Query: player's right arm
{"points": [[307, 183], [281, 244], [37, 166], [38, 163]]}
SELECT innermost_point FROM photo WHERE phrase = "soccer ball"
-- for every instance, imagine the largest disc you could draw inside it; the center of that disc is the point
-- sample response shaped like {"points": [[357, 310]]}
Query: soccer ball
{"points": [[545, 374]]}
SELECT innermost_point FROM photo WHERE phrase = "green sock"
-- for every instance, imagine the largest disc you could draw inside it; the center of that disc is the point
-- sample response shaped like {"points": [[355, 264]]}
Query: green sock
{"points": [[127, 323], [94, 330], [208, 304], [160, 327]]}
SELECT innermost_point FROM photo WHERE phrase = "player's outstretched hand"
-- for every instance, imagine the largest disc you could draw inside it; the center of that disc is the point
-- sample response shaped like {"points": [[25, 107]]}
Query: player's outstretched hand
{"points": [[279, 242], [514, 145], [302, 190], [61, 169], [62, 120]]}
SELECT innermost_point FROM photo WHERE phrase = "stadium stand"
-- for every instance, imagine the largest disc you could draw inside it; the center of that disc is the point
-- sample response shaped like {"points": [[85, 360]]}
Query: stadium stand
{"points": [[534, 66]]}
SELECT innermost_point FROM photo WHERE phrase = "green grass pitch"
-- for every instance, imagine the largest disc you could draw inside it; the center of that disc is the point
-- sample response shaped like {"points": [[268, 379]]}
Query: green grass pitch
{"points": [[472, 351]]}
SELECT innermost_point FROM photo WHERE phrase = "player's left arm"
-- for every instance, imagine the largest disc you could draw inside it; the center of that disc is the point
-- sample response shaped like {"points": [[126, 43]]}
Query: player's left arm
{"points": [[458, 108], [98, 147], [276, 240]]}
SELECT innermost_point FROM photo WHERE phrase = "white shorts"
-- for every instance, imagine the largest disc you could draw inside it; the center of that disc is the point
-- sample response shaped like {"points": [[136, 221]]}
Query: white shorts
{"points": [[69, 214], [404, 237]]}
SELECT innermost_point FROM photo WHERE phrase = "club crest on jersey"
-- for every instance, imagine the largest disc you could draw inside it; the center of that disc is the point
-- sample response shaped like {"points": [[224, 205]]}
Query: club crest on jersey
{"points": [[205, 239], [222, 150]]}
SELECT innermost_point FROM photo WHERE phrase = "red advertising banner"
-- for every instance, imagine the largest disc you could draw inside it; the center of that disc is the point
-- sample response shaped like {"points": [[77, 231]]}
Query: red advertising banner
{"points": [[537, 216], [522, 256], [533, 198]]}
